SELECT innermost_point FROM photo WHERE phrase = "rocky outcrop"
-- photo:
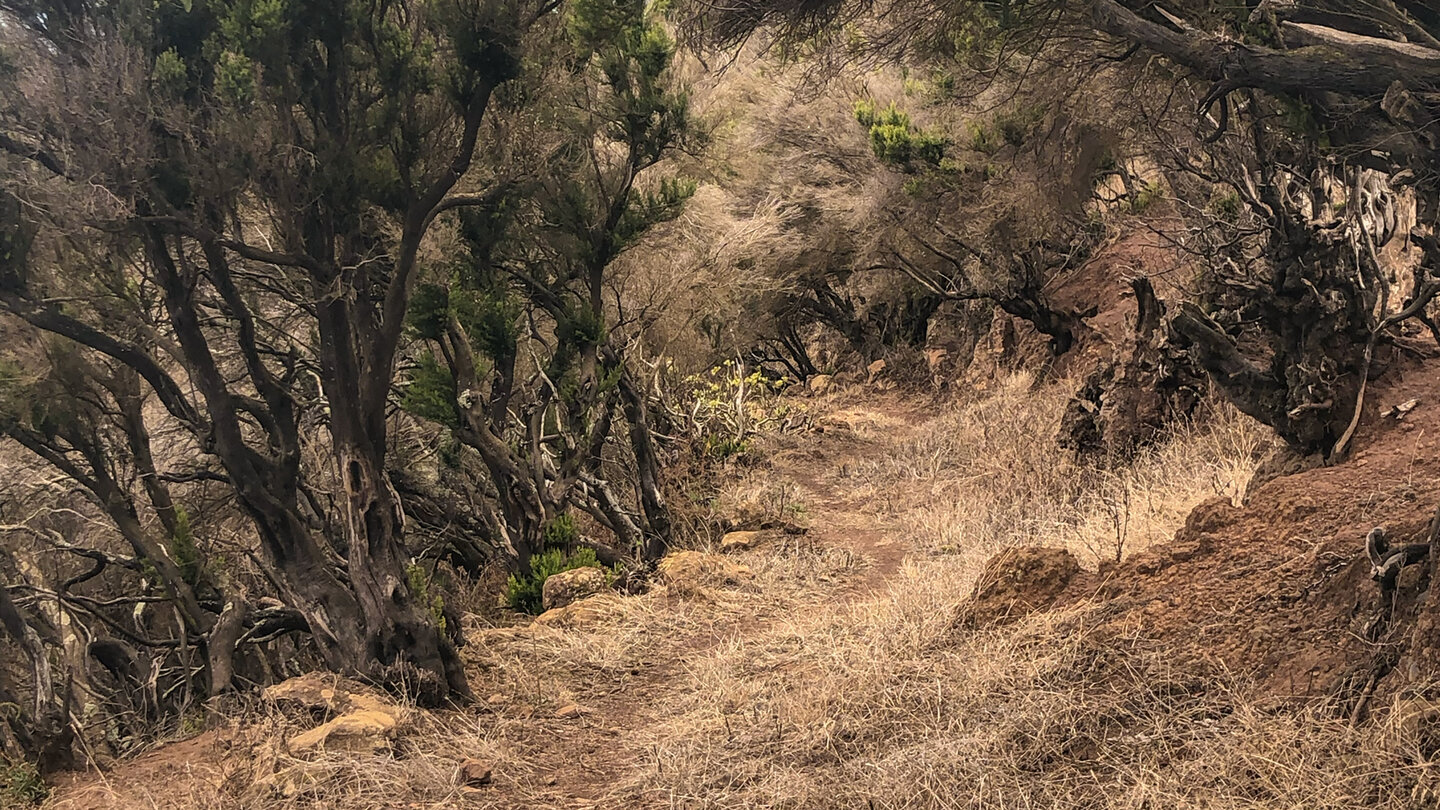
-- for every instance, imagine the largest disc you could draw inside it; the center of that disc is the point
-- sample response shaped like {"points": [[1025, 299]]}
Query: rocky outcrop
{"points": [[694, 572], [360, 719], [568, 587], [1017, 582], [739, 541], [585, 612]]}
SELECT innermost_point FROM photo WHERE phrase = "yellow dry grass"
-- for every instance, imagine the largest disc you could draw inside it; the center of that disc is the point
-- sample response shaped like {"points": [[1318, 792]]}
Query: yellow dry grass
{"points": [[987, 475]]}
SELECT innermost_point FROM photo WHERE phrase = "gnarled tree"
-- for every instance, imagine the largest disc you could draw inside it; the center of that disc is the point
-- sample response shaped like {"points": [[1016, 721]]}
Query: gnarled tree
{"points": [[229, 199]]}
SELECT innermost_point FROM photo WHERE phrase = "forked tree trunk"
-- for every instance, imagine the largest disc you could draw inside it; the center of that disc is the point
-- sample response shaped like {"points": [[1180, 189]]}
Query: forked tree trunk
{"points": [[401, 643]]}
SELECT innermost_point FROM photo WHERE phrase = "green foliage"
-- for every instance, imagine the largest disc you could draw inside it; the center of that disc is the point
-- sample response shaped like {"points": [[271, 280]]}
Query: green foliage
{"points": [[431, 393], [21, 784], [1299, 118], [1226, 206], [235, 79], [985, 138], [894, 139], [943, 85], [1016, 126], [561, 533], [429, 311], [192, 722], [491, 320], [169, 75], [183, 550], [1147, 196], [632, 53], [526, 593], [580, 326], [424, 593], [648, 209]]}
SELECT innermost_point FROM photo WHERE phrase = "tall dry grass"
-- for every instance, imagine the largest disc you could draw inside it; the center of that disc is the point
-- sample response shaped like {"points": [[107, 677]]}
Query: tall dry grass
{"points": [[987, 474], [886, 703]]}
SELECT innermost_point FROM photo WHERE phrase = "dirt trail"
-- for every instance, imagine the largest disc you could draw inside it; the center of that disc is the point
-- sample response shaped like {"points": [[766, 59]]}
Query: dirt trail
{"points": [[581, 760]]}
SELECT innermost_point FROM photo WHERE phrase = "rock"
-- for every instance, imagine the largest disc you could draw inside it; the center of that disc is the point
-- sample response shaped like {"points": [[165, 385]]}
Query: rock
{"points": [[874, 370], [739, 541], [313, 691], [692, 572], [319, 693], [572, 710], [820, 383], [1016, 582], [496, 699], [368, 728], [578, 614], [568, 587], [475, 773]]}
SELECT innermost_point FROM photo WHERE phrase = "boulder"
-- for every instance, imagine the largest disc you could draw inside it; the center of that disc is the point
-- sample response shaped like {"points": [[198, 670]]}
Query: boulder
{"points": [[568, 587], [366, 729], [874, 370], [820, 383], [475, 773], [739, 541], [322, 694], [1017, 582], [577, 614], [689, 572]]}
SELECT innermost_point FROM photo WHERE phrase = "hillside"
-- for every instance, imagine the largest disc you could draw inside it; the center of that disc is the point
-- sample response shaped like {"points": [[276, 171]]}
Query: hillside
{"points": [[640, 404], [848, 664]]}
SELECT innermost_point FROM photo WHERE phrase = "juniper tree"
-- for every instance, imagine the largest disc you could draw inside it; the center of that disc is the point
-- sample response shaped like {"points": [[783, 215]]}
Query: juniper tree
{"points": [[229, 199], [532, 369]]}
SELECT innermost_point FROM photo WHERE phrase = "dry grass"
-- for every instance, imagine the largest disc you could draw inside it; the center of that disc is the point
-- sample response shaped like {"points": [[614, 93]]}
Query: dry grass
{"points": [[988, 475], [884, 705]]}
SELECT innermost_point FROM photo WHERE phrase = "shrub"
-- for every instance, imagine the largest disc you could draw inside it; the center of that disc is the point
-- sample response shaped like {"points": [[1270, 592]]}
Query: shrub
{"points": [[425, 594], [1145, 197], [525, 593], [984, 138], [895, 139], [21, 784]]}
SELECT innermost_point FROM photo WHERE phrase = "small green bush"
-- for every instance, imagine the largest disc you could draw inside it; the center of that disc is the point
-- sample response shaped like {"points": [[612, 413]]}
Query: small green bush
{"points": [[1146, 197], [21, 784], [561, 533], [984, 138], [425, 594], [526, 593], [895, 139]]}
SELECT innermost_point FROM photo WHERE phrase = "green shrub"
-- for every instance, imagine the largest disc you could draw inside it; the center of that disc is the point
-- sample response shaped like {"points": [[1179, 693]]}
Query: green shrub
{"points": [[431, 393], [184, 551], [984, 138], [560, 533], [895, 139], [1016, 126], [526, 593], [424, 593], [1148, 194], [21, 784]]}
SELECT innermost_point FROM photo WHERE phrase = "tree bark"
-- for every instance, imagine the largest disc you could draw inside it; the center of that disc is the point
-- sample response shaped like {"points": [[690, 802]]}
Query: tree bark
{"points": [[50, 731]]}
